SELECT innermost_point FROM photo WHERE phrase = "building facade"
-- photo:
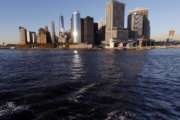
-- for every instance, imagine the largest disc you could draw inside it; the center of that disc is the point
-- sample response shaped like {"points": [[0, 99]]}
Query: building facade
{"points": [[76, 27], [33, 38], [53, 33], [42, 37], [82, 30], [61, 24], [89, 30], [48, 35], [22, 35], [138, 24], [96, 31], [115, 12]]}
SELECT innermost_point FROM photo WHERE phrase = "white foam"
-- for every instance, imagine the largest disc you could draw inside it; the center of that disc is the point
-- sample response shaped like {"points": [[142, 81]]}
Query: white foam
{"points": [[116, 115], [77, 95], [10, 108]]}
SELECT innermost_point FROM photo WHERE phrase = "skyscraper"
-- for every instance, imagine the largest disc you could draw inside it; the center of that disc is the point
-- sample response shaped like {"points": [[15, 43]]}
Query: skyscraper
{"points": [[53, 33], [82, 30], [76, 27], [42, 37], [22, 35], [138, 24], [96, 41], [61, 24], [33, 38], [28, 37], [48, 35], [88, 30], [115, 12]]}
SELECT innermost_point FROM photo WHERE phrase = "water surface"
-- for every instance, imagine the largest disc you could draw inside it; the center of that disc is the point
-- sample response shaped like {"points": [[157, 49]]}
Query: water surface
{"points": [[90, 85]]}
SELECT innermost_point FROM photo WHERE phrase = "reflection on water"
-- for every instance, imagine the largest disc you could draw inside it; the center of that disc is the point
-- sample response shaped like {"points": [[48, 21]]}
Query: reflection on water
{"points": [[77, 66], [90, 84]]}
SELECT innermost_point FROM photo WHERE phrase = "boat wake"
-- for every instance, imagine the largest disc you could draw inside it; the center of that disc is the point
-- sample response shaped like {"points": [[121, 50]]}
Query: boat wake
{"points": [[11, 108], [116, 115]]}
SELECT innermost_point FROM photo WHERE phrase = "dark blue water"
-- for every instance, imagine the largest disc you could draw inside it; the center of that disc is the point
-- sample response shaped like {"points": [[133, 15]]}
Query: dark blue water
{"points": [[90, 85]]}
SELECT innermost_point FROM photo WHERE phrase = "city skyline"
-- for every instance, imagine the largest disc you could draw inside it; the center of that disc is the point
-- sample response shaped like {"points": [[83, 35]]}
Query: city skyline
{"points": [[32, 16]]}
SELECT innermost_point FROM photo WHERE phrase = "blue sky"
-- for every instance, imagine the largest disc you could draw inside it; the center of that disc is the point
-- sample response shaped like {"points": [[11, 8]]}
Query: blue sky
{"points": [[164, 14]]}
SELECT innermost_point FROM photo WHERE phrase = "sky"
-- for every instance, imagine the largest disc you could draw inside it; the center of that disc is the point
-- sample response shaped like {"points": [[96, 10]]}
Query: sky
{"points": [[33, 14]]}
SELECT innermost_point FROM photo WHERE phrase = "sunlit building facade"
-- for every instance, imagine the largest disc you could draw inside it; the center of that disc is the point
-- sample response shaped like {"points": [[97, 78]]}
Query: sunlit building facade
{"points": [[115, 14], [22, 35], [138, 24], [76, 27]]}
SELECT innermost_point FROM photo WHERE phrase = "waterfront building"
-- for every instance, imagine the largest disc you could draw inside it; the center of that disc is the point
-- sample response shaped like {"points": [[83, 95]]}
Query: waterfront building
{"points": [[48, 35], [88, 30], [42, 37], [28, 37], [76, 27], [115, 12], [82, 30], [101, 30], [96, 40], [22, 35], [61, 24], [33, 38], [101, 23], [138, 24], [53, 33]]}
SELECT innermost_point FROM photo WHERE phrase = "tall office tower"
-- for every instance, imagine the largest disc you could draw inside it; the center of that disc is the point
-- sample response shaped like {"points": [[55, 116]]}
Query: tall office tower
{"points": [[101, 30], [89, 30], [115, 12], [53, 34], [61, 24], [33, 38], [22, 35], [76, 27], [96, 41], [42, 37], [138, 24], [48, 35], [28, 37], [82, 30]]}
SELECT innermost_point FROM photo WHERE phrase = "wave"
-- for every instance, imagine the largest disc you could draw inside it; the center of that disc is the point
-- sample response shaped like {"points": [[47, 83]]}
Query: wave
{"points": [[78, 94]]}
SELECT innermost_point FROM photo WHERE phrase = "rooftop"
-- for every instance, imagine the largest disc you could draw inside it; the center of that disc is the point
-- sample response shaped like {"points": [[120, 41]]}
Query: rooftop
{"points": [[117, 1]]}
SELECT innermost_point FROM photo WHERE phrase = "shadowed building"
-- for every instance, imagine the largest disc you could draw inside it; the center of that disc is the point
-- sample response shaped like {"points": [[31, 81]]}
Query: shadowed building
{"points": [[115, 12], [48, 36], [138, 24], [88, 30], [33, 38], [96, 40], [82, 30], [101, 30]]}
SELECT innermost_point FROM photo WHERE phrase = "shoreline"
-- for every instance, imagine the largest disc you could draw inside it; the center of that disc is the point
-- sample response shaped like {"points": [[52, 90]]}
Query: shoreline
{"points": [[132, 48]]}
